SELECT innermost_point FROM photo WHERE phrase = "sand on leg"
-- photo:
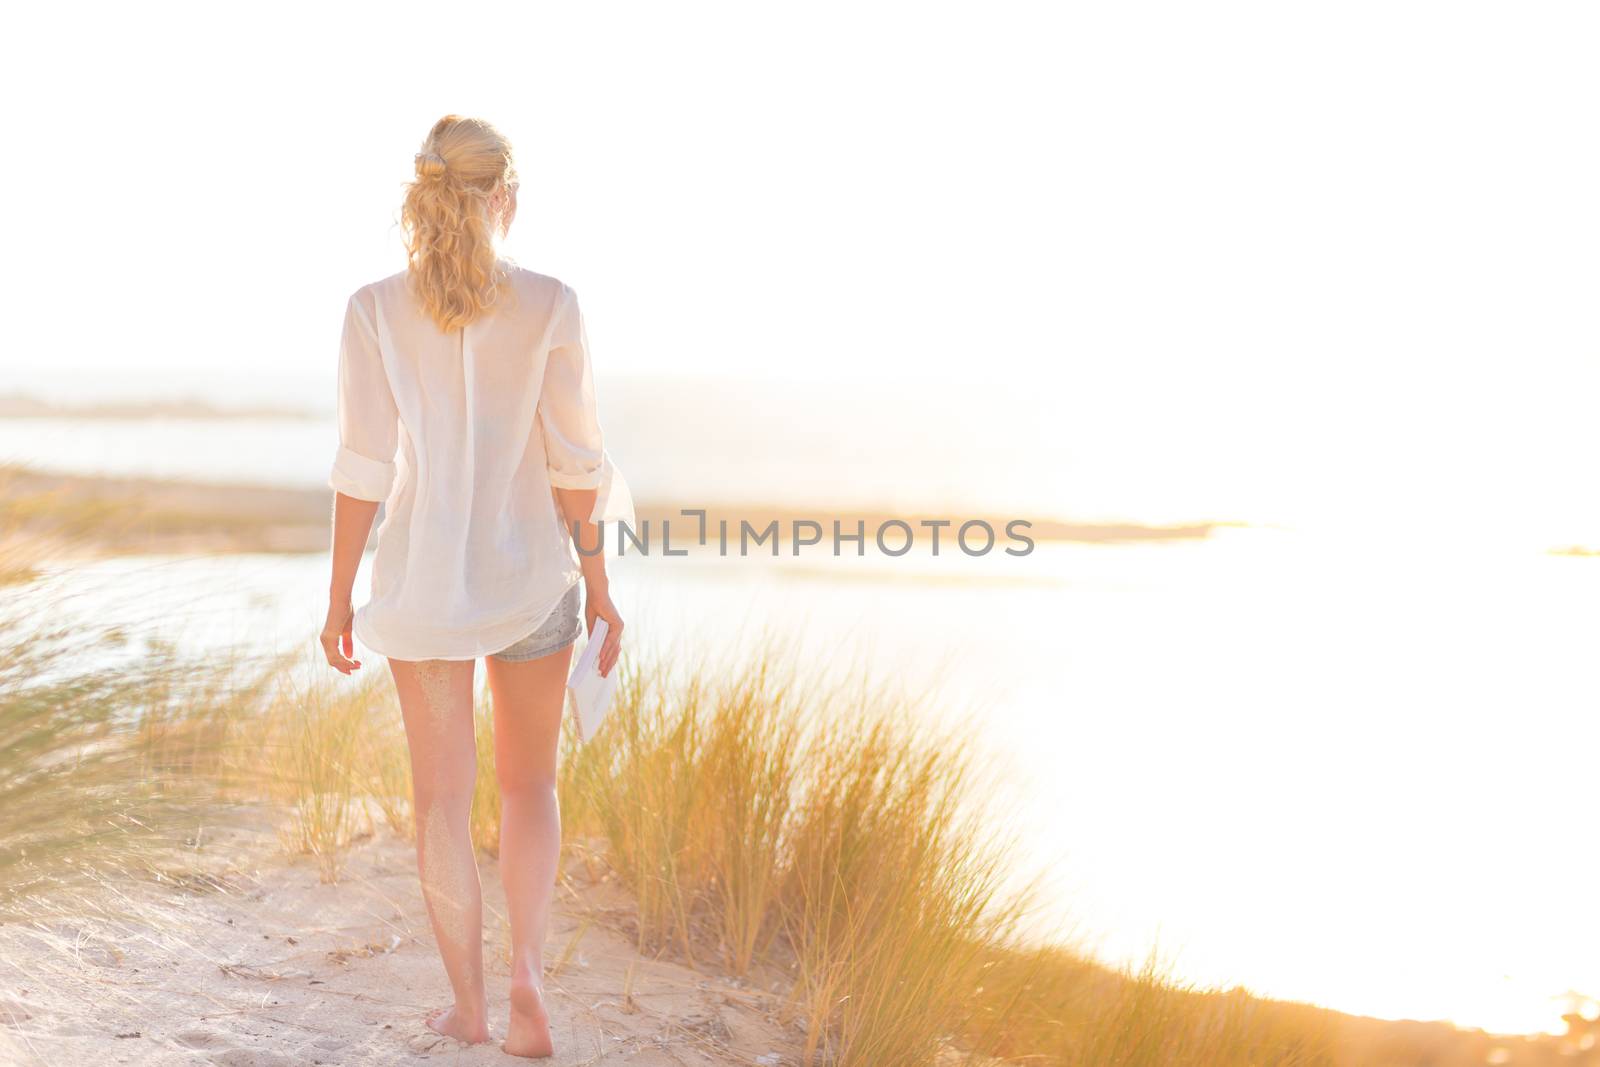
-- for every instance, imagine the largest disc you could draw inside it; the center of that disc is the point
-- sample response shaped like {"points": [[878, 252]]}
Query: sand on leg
{"points": [[436, 702], [528, 698]]}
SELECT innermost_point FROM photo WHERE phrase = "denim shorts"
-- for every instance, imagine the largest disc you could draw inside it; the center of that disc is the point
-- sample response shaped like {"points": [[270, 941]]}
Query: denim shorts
{"points": [[559, 629]]}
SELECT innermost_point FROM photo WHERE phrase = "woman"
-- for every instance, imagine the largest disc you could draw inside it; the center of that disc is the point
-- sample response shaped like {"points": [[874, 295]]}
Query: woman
{"points": [[478, 372]]}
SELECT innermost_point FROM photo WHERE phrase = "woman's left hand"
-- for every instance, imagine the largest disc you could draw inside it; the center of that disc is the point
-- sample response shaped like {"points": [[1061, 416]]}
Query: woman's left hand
{"points": [[338, 642], [597, 604]]}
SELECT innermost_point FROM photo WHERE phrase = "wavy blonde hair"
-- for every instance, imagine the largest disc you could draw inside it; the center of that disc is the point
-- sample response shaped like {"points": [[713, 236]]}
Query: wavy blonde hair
{"points": [[452, 267]]}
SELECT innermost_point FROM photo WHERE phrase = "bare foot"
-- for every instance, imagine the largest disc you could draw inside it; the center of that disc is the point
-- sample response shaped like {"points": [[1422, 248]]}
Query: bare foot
{"points": [[529, 1032], [451, 1023]]}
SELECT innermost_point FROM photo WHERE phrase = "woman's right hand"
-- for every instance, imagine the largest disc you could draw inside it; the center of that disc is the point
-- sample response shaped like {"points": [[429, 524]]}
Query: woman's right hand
{"points": [[338, 643], [597, 605]]}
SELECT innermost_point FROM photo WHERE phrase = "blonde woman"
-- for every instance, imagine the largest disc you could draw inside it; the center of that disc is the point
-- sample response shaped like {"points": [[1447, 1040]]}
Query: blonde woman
{"points": [[466, 404]]}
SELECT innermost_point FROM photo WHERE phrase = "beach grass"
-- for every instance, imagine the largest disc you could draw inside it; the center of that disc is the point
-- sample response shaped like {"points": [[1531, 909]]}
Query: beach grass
{"points": [[315, 739], [485, 824], [384, 767], [115, 752]]}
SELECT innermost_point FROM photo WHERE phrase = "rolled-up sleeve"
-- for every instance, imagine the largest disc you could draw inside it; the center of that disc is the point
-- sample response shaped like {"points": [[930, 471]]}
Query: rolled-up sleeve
{"points": [[364, 465], [574, 447], [569, 419]]}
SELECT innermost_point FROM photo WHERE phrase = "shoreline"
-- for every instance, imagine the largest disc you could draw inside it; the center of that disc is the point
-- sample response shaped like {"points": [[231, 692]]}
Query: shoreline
{"points": [[91, 516]]}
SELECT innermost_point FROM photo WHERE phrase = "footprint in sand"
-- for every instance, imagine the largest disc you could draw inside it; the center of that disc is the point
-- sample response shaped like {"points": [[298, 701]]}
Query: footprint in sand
{"points": [[252, 1057], [197, 1038]]}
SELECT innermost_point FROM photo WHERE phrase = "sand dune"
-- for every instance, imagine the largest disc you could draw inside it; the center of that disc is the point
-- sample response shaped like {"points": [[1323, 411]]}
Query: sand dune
{"points": [[256, 964]]}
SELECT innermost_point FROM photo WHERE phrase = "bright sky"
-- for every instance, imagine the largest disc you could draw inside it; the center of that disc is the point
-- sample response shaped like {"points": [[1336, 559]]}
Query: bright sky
{"points": [[1341, 259], [1345, 255]]}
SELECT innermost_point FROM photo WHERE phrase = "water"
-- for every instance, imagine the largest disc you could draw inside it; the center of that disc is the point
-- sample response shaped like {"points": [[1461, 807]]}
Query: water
{"points": [[1358, 777], [975, 450]]}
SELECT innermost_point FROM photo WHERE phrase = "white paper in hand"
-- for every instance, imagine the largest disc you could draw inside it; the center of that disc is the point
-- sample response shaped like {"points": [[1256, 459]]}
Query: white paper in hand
{"points": [[591, 691]]}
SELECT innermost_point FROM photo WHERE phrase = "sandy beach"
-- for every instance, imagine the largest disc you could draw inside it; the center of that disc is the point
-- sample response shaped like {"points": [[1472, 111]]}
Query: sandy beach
{"points": [[250, 961]]}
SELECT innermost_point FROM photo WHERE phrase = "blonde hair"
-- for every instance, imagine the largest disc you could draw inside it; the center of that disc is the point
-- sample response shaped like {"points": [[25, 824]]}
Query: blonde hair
{"points": [[452, 268]]}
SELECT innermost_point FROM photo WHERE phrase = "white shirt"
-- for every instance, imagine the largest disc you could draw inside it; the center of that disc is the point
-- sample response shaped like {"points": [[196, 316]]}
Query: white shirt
{"points": [[472, 554]]}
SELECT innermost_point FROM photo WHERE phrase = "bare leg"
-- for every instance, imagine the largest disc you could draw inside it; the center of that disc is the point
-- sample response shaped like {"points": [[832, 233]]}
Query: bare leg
{"points": [[436, 702], [528, 698]]}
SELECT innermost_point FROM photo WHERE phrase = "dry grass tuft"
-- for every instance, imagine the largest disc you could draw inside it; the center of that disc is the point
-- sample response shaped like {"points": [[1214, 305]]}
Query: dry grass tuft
{"points": [[316, 738], [383, 764], [761, 816], [485, 825]]}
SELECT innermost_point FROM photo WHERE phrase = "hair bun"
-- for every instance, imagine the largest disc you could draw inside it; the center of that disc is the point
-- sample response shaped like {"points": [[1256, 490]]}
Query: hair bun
{"points": [[430, 165]]}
